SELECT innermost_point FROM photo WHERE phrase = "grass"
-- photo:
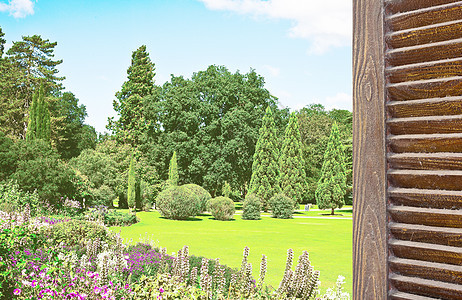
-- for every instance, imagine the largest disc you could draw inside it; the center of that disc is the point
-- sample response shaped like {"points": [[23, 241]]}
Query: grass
{"points": [[329, 241]]}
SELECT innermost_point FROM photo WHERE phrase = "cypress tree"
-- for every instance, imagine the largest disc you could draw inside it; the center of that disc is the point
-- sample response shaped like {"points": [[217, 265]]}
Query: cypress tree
{"points": [[131, 194], [332, 184], [291, 163], [173, 171], [265, 169], [39, 117]]}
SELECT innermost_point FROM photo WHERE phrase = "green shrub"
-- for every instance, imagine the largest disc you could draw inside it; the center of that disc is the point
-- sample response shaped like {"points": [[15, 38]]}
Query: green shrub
{"points": [[75, 232], [117, 218], [200, 192], [251, 208], [282, 207], [221, 208], [178, 203], [13, 199]]}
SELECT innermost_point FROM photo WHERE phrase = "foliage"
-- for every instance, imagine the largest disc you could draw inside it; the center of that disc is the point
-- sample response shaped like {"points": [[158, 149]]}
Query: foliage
{"points": [[110, 217], [282, 207], [315, 125], [8, 157], [221, 208], [332, 184], [291, 163], [173, 171], [251, 208], [336, 293], [13, 199], [131, 193], [131, 123], [212, 121], [39, 118], [165, 286], [200, 192], [178, 203]]}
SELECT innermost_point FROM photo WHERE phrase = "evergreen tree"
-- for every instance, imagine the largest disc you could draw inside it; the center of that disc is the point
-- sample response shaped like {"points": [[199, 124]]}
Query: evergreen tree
{"points": [[291, 163], [265, 170], [39, 118], [332, 184], [129, 104], [173, 171], [131, 194]]}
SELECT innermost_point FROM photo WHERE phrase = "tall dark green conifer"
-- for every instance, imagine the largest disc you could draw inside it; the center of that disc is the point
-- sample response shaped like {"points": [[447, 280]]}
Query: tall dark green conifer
{"points": [[291, 164], [173, 176], [265, 170], [332, 184], [129, 104], [131, 193], [39, 117]]}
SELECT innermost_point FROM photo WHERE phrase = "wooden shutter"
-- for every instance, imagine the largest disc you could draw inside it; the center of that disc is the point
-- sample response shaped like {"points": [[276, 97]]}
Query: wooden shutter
{"points": [[408, 149]]}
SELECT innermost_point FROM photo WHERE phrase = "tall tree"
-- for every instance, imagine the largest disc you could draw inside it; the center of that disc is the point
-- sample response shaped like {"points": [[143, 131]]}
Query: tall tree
{"points": [[265, 169], [129, 103], [291, 163], [2, 42], [332, 184], [173, 171], [39, 118]]}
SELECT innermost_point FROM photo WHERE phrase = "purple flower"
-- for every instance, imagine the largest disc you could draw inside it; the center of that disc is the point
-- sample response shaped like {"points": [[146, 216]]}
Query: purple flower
{"points": [[161, 290], [97, 290], [16, 292]]}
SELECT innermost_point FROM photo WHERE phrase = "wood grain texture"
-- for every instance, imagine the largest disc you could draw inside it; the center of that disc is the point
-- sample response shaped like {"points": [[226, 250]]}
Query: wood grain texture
{"points": [[427, 143], [424, 53], [425, 107], [397, 295], [424, 35], [426, 198], [426, 125], [425, 161], [424, 17], [425, 287], [399, 6], [369, 179], [426, 216], [426, 270], [422, 89], [425, 71], [426, 179], [427, 234], [426, 252]]}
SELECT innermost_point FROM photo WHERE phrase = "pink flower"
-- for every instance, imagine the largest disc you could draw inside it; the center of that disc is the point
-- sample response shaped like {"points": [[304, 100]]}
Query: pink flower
{"points": [[97, 290], [16, 292], [161, 290]]}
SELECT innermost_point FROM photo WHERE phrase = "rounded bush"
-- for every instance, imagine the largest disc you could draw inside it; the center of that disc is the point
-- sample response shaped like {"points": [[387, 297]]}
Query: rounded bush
{"points": [[200, 192], [251, 208], [282, 207], [178, 203], [221, 208]]}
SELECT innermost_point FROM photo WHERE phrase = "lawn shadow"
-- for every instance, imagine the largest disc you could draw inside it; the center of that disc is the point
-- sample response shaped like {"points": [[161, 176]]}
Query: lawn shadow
{"points": [[212, 218], [204, 215], [347, 210], [332, 215], [188, 219]]}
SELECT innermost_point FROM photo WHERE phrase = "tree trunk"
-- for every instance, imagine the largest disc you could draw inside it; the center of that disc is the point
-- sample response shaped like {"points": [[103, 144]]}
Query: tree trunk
{"points": [[332, 213]]}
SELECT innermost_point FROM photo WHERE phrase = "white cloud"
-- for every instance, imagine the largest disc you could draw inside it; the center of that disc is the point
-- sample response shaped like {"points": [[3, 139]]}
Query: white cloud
{"points": [[273, 71], [18, 8], [326, 23], [339, 101]]}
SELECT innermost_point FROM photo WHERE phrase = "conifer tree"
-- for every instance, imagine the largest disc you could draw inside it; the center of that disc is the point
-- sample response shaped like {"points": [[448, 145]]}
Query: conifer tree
{"points": [[129, 104], [291, 163], [265, 169], [131, 194], [173, 171], [332, 184], [39, 118]]}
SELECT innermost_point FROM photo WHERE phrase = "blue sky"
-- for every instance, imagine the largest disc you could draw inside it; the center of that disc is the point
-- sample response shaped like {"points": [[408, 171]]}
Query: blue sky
{"points": [[301, 47]]}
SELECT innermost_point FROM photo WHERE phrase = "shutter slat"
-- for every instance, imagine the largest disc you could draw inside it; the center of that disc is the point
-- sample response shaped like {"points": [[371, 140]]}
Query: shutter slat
{"points": [[422, 89], [425, 161], [425, 71], [425, 287], [425, 107], [424, 53], [426, 179], [427, 143], [426, 216], [396, 295], [425, 16], [426, 198], [428, 234], [399, 6], [425, 35], [426, 270], [426, 125], [427, 252]]}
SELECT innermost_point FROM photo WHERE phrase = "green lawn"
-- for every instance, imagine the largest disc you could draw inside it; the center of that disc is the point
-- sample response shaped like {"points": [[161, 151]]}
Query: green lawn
{"points": [[329, 241]]}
